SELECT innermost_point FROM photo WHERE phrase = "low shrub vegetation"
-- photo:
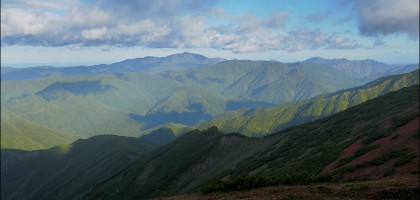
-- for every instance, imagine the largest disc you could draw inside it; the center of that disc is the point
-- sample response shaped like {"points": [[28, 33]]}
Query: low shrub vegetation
{"points": [[247, 182]]}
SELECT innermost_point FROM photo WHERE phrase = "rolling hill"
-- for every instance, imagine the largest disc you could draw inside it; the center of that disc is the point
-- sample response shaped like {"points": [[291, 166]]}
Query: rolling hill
{"points": [[18, 133], [374, 139], [130, 103], [47, 174], [125, 103], [262, 121], [22, 134], [381, 134]]}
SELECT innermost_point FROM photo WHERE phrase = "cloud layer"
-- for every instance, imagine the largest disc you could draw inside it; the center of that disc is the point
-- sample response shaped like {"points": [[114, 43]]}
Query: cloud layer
{"points": [[384, 17], [183, 23]]}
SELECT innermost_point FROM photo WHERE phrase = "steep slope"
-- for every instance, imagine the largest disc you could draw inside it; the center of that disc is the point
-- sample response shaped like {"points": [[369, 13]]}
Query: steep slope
{"points": [[146, 64], [159, 136], [310, 147], [263, 121], [180, 166], [126, 103], [22, 134], [66, 171], [377, 138], [386, 128], [18, 133]]}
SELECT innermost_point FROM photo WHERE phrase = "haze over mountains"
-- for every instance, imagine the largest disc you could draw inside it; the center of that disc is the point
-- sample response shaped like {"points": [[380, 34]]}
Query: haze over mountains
{"points": [[147, 64], [130, 103]]}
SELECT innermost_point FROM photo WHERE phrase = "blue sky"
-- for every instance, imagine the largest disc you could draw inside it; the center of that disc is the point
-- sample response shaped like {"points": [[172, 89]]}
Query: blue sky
{"points": [[68, 32]]}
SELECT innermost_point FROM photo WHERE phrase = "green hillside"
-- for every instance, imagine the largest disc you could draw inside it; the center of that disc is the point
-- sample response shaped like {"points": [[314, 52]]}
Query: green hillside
{"points": [[379, 135], [263, 121], [126, 103], [67, 171], [18, 133], [313, 147], [368, 140], [22, 134]]}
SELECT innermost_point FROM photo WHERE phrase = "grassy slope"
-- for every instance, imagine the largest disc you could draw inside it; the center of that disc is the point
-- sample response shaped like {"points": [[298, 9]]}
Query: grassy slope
{"points": [[66, 171], [174, 169], [194, 159], [263, 121], [200, 156], [312, 146], [22, 134], [18, 133]]}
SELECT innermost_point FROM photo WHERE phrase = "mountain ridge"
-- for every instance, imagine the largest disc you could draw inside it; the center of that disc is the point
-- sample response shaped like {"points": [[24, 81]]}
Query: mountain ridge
{"points": [[213, 155], [145, 64]]}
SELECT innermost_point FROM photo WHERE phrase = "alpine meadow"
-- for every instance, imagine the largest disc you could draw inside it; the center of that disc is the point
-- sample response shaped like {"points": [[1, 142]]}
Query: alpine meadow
{"points": [[197, 99]]}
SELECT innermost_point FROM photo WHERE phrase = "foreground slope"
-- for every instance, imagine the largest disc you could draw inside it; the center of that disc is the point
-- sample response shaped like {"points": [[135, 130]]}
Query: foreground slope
{"points": [[180, 166], [387, 188], [263, 121], [377, 138], [66, 171], [380, 134]]}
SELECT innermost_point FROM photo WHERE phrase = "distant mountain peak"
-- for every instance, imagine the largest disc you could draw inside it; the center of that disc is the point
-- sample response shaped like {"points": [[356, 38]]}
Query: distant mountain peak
{"points": [[188, 55], [319, 59]]}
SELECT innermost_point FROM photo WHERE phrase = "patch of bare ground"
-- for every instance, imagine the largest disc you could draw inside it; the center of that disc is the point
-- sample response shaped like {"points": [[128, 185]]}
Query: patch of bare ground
{"points": [[399, 187]]}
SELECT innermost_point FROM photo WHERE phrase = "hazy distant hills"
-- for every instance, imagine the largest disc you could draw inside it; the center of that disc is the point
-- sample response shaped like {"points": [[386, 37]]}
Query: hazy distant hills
{"points": [[130, 102], [146, 64], [262, 121], [365, 69], [374, 139]]}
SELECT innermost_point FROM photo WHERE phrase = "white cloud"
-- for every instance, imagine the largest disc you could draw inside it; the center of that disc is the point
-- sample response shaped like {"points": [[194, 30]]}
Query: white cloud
{"points": [[21, 22], [95, 34], [157, 24], [384, 17]]}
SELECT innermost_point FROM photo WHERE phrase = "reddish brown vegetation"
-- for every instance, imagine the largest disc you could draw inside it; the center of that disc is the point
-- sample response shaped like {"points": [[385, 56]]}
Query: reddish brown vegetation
{"points": [[400, 139], [361, 190]]}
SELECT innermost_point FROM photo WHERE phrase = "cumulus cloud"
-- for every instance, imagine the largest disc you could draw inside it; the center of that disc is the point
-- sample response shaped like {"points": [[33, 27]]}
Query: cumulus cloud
{"points": [[314, 39], [384, 17], [155, 24]]}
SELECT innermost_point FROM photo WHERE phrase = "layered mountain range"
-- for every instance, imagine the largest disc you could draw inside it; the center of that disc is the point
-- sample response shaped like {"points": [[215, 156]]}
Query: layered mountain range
{"points": [[374, 139], [154, 127], [128, 103]]}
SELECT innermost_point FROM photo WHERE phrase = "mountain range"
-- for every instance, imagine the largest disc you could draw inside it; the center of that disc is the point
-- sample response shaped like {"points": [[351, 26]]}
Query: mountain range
{"points": [[263, 121], [147, 64], [130, 103], [158, 127], [377, 138]]}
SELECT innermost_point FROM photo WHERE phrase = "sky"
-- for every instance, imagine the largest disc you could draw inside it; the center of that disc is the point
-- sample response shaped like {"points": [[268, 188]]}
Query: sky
{"points": [[70, 32]]}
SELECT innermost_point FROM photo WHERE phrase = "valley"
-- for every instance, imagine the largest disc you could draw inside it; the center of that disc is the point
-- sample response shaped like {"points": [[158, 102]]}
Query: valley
{"points": [[237, 128], [383, 137], [130, 104]]}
